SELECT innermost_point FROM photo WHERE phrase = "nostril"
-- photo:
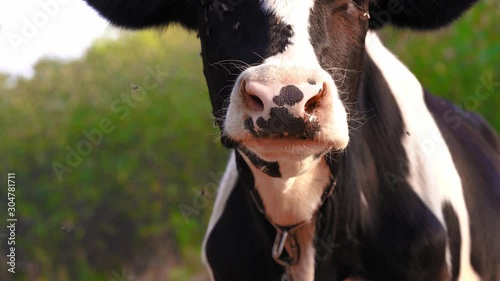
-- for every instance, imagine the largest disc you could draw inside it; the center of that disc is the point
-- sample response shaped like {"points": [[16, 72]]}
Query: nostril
{"points": [[255, 102], [314, 102]]}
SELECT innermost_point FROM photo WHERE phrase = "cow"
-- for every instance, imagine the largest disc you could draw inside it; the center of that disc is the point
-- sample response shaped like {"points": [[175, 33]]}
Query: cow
{"points": [[331, 175]]}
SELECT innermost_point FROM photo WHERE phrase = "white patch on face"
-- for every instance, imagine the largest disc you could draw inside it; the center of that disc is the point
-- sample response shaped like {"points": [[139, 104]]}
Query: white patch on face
{"points": [[227, 185], [296, 14], [432, 174]]}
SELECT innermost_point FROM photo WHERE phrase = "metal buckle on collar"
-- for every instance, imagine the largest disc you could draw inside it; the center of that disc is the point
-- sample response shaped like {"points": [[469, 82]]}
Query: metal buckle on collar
{"points": [[279, 246], [282, 235]]}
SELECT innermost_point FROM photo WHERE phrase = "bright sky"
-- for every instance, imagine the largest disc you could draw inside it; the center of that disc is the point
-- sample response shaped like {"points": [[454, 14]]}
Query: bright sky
{"points": [[31, 29]]}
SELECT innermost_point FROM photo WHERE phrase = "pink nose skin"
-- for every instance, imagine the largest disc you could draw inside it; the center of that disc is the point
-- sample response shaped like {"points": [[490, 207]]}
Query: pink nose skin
{"points": [[301, 99]]}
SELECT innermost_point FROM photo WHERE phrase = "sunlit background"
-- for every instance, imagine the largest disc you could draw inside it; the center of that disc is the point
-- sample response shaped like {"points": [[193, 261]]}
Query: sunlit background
{"points": [[30, 30], [116, 179]]}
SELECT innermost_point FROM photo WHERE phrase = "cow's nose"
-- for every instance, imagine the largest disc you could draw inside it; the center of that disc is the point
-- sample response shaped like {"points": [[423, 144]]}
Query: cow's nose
{"points": [[301, 99]]}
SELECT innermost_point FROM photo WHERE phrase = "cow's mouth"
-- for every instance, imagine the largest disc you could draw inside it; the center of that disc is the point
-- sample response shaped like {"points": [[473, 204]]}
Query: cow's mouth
{"points": [[286, 148]]}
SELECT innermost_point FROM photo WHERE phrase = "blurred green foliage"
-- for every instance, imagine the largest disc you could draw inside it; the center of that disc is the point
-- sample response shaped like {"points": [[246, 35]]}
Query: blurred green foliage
{"points": [[120, 205], [121, 202]]}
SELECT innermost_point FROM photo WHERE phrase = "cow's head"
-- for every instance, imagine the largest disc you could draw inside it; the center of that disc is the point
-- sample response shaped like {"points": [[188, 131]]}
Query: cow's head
{"points": [[282, 74]]}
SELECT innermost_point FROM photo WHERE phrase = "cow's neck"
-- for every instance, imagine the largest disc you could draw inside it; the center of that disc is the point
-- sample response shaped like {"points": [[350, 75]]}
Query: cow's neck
{"points": [[294, 198]]}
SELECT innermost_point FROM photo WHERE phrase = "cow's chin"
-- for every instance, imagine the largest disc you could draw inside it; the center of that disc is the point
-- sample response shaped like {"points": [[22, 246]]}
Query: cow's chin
{"points": [[290, 149]]}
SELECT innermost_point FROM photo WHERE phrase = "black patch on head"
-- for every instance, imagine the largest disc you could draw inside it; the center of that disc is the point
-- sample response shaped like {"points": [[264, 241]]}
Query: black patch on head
{"points": [[271, 169], [289, 95], [281, 123], [282, 34]]}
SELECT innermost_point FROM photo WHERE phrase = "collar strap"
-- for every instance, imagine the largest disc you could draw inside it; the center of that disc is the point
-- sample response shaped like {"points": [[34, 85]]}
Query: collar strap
{"points": [[284, 233]]}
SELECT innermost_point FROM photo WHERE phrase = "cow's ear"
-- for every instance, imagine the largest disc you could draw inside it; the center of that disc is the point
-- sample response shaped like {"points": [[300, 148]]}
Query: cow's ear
{"points": [[137, 14], [420, 14]]}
